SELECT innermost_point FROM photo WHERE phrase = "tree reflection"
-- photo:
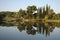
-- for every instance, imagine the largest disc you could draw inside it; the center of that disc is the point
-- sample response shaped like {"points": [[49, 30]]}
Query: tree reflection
{"points": [[21, 27], [33, 28]]}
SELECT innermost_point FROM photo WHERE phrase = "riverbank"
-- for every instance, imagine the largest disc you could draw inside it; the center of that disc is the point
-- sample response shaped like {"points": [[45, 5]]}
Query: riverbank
{"points": [[30, 20]]}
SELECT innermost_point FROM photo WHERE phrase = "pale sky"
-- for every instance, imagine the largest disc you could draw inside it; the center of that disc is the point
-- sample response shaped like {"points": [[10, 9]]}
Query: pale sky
{"points": [[15, 5]]}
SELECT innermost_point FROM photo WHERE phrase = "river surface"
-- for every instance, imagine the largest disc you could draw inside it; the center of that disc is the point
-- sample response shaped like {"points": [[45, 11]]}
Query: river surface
{"points": [[30, 31]]}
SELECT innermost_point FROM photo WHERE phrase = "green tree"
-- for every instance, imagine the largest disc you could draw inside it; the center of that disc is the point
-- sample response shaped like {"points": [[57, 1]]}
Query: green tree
{"points": [[30, 10], [39, 13], [21, 13]]}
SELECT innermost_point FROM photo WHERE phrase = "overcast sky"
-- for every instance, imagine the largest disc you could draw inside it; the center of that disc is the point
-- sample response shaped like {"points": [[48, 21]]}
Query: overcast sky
{"points": [[15, 5]]}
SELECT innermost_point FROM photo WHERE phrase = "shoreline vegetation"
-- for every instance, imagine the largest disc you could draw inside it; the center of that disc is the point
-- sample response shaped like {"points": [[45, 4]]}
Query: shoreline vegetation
{"points": [[31, 14]]}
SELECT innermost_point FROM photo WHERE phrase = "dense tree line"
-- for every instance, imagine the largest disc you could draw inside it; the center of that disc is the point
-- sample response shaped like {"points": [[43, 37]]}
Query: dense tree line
{"points": [[32, 12]]}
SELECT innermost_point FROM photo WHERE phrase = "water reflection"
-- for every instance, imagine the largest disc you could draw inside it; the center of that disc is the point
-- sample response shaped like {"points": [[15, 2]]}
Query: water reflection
{"points": [[34, 28]]}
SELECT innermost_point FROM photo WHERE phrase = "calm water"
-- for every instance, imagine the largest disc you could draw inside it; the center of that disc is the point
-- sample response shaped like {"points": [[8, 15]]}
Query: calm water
{"points": [[30, 31]]}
